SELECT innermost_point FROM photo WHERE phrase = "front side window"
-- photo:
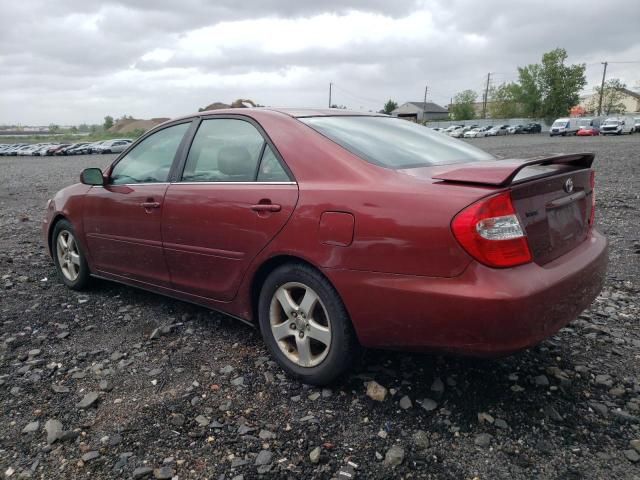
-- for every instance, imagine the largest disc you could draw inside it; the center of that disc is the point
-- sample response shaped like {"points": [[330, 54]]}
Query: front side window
{"points": [[230, 150], [394, 143], [150, 161]]}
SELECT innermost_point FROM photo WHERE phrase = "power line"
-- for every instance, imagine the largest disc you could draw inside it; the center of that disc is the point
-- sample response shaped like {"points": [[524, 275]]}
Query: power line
{"points": [[357, 97]]}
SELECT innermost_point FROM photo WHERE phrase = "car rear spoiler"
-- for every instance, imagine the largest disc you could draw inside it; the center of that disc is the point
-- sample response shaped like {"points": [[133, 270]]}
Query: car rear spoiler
{"points": [[501, 173]]}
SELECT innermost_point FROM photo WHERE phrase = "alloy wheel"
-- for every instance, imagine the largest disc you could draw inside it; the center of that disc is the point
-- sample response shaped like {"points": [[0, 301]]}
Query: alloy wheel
{"points": [[300, 324], [68, 255]]}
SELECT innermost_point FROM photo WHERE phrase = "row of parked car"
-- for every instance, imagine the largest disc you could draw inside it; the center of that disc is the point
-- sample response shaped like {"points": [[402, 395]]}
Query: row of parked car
{"points": [[578, 126], [476, 131], [589, 127], [47, 149]]}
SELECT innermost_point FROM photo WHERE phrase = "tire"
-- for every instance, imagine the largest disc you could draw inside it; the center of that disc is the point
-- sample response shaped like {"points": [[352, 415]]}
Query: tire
{"points": [[74, 274], [321, 364]]}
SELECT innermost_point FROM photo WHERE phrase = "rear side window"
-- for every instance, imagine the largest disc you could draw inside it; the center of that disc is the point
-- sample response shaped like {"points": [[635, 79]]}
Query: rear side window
{"points": [[270, 168], [395, 143]]}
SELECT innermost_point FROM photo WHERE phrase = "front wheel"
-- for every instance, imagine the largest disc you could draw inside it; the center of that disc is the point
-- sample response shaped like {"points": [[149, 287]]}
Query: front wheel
{"points": [[305, 325], [70, 261]]}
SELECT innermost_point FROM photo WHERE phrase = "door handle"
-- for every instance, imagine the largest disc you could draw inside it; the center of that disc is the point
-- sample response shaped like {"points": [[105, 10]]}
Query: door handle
{"points": [[150, 204], [266, 207]]}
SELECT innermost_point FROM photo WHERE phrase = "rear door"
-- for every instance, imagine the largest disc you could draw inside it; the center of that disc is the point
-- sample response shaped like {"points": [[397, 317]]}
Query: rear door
{"points": [[234, 195], [122, 219]]}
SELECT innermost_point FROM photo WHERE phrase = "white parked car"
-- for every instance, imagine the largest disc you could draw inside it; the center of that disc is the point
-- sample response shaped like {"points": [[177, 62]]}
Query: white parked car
{"points": [[28, 150], [457, 133], [636, 125], [451, 128], [42, 148], [461, 130], [477, 132]]}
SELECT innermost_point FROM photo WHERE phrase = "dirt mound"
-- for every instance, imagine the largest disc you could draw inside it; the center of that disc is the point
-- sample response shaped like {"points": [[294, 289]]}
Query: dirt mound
{"points": [[239, 103], [128, 125]]}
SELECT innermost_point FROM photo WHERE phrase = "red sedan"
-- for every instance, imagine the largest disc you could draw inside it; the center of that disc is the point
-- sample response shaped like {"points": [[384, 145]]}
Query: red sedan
{"points": [[332, 230], [588, 132]]}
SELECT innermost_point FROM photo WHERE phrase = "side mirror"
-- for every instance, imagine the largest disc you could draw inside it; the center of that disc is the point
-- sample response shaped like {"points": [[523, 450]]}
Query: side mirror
{"points": [[92, 176]]}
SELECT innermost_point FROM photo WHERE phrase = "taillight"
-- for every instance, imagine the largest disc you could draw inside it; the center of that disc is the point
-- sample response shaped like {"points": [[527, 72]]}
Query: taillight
{"points": [[592, 181], [489, 230]]}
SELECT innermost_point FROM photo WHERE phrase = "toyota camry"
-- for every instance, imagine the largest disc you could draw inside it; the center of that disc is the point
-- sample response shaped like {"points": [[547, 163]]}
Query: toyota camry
{"points": [[333, 230]]}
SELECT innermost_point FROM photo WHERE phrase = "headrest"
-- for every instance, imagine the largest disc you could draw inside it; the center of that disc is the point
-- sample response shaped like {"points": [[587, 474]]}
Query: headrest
{"points": [[235, 160]]}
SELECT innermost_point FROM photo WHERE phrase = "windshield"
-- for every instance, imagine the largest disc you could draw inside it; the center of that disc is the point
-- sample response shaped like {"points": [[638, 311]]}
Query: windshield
{"points": [[611, 122], [558, 123], [394, 143]]}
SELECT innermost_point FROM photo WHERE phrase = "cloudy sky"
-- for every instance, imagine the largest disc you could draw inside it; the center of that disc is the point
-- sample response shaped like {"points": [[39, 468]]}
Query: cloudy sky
{"points": [[74, 61]]}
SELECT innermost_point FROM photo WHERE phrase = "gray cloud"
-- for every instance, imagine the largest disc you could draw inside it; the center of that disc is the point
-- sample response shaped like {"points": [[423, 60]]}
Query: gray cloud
{"points": [[79, 60]]}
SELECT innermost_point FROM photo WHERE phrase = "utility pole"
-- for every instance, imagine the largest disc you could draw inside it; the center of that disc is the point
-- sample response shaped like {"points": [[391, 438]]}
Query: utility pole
{"points": [[486, 96], [330, 84], [424, 104], [604, 73]]}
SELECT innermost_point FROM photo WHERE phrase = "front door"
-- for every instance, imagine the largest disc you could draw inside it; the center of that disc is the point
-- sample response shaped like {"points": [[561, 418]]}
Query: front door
{"points": [[233, 197], [122, 219]]}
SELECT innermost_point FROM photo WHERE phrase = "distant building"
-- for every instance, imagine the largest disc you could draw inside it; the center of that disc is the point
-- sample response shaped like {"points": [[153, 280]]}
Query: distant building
{"points": [[630, 99], [479, 108], [421, 111]]}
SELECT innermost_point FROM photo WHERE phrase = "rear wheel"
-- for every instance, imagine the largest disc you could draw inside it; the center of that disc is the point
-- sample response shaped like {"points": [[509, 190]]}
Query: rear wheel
{"points": [[305, 324], [70, 261]]}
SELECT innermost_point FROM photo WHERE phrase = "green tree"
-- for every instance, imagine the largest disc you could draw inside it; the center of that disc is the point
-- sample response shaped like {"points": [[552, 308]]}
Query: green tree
{"points": [[108, 122], [53, 128], [73, 129], [528, 90], [389, 107], [463, 108], [504, 101], [549, 89], [83, 127], [611, 98]]}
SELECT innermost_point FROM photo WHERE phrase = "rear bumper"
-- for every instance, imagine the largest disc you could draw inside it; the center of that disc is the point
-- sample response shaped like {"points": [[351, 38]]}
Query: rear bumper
{"points": [[484, 311]]}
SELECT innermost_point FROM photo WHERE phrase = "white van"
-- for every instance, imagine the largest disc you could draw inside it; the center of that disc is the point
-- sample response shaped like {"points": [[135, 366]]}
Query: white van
{"points": [[616, 126], [564, 127]]}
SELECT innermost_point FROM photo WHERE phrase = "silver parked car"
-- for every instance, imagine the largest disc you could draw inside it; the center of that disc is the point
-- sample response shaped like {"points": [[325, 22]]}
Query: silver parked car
{"points": [[498, 130], [113, 146]]}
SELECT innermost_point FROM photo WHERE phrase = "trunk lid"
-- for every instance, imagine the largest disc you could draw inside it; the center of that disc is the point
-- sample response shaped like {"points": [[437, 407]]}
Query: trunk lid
{"points": [[552, 197]]}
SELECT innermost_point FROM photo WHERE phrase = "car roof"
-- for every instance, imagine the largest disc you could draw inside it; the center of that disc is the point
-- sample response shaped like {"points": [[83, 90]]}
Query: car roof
{"points": [[290, 111], [324, 112]]}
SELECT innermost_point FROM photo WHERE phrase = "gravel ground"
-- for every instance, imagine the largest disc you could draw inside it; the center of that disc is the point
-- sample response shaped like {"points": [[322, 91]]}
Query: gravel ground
{"points": [[118, 383]]}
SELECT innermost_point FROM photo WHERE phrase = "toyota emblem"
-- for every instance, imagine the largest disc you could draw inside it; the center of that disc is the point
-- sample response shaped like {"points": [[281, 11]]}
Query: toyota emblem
{"points": [[568, 185]]}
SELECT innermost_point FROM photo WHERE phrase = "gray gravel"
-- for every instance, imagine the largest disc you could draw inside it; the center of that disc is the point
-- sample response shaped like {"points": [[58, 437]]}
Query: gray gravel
{"points": [[191, 393]]}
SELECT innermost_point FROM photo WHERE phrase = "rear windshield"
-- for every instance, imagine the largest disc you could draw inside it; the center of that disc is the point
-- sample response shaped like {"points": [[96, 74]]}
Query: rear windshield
{"points": [[395, 143]]}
